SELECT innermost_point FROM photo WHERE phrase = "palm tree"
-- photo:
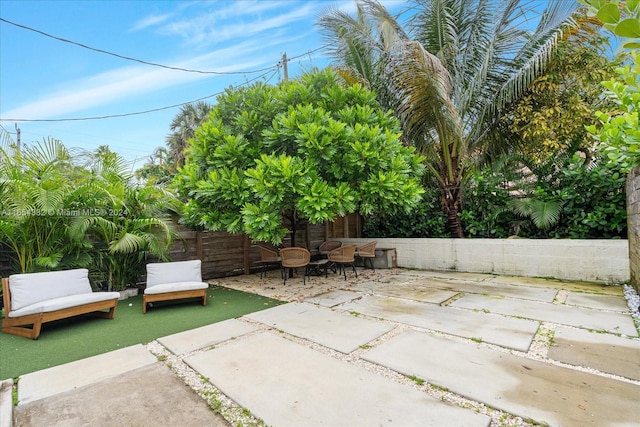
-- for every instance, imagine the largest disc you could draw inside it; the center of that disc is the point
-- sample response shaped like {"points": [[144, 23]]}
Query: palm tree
{"points": [[130, 226], [183, 127], [35, 192], [159, 169], [449, 84]]}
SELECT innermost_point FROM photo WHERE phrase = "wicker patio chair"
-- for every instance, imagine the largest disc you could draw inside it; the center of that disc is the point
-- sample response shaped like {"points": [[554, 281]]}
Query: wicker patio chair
{"points": [[268, 258], [292, 258], [367, 252], [343, 256], [328, 246]]}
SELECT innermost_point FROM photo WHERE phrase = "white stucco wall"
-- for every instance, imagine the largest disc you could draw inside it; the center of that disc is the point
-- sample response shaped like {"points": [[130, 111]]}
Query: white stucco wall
{"points": [[605, 261]]}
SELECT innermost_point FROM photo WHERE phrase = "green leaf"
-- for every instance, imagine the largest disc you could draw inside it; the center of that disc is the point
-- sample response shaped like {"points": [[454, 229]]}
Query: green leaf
{"points": [[629, 27], [633, 4], [595, 3], [609, 13]]}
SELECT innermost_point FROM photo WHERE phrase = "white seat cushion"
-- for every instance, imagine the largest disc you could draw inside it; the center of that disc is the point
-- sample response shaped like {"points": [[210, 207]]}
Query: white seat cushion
{"points": [[175, 287], [173, 272], [64, 302], [31, 288]]}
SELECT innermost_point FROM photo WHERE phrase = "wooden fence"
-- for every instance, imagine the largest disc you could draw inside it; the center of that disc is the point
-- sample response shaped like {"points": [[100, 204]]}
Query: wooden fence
{"points": [[225, 254]]}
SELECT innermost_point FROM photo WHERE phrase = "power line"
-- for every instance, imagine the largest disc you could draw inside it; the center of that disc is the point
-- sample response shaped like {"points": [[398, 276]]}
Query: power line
{"points": [[128, 58], [309, 52], [112, 116], [7, 131], [275, 68]]}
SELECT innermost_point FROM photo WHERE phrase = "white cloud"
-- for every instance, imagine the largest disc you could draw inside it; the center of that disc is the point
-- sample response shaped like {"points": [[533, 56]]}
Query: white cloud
{"points": [[127, 82], [239, 20], [149, 21]]}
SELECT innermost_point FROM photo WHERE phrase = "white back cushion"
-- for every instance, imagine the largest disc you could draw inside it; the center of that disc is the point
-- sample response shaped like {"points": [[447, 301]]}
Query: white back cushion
{"points": [[170, 272], [31, 288]]}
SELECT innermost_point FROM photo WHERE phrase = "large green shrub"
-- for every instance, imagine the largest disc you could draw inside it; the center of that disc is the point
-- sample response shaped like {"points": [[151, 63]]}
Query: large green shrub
{"points": [[591, 202], [590, 199], [426, 220], [594, 203], [271, 158], [485, 212]]}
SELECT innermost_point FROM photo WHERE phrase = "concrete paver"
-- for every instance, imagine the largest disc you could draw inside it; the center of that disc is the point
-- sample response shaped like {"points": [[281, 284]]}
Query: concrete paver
{"points": [[333, 298], [6, 402], [410, 290], [507, 332], [568, 285], [556, 313], [287, 384], [601, 302], [58, 379], [534, 390], [147, 396], [205, 336], [486, 287], [526, 282], [605, 352], [339, 331]]}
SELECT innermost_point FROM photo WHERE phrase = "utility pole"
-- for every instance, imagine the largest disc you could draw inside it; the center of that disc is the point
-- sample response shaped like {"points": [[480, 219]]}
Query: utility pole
{"points": [[17, 136], [284, 66]]}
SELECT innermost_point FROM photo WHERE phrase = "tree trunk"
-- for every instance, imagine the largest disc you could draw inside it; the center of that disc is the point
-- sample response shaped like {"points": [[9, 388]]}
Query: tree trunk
{"points": [[294, 227], [455, 225], [292, 216], [450, 206]]}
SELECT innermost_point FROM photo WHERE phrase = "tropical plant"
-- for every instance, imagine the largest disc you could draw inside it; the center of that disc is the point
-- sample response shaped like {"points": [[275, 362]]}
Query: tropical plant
{"points": [[311, 149], [619, 131], [67, 209], [550, 116], [159, 169], [128, 227], [560, 198], [425, 220], [451, 82], [34, 194], [485, 212], [622, 18], [183, 127]]}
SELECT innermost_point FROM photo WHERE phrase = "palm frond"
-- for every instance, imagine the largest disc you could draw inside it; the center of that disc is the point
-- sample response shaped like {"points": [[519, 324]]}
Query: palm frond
{"points": [[351, 41], [44, 156], [423, 90], [533, 57], [543, 213], [127, 243], [49, 262]]}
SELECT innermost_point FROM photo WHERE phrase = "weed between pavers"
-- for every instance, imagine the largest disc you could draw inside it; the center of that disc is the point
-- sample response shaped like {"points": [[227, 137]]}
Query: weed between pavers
{"points": [[416, 380]]}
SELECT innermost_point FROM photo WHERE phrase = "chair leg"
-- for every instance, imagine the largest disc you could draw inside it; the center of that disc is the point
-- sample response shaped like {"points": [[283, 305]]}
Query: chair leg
{"points": [[334, 267], [353, 266], [371, 264]]}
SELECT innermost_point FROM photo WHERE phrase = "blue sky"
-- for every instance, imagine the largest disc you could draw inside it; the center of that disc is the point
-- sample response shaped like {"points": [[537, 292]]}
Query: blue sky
{"points": [[44, 78]]}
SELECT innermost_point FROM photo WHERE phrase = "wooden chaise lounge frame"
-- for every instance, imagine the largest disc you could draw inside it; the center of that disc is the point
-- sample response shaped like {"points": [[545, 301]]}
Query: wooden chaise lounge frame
{"points": [[16, 325], [174, 295]]}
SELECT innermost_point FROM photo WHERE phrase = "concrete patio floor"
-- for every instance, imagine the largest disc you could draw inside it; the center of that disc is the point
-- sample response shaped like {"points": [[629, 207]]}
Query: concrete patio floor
{"points": [[392, 347]]}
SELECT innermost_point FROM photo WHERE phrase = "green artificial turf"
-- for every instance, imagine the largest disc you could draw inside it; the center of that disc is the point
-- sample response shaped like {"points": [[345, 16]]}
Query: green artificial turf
{"points": [[76, 338]]}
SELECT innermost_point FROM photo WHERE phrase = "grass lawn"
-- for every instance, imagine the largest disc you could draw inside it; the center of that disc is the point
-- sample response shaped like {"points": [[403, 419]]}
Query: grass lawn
{"points": [[72, 339]]}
